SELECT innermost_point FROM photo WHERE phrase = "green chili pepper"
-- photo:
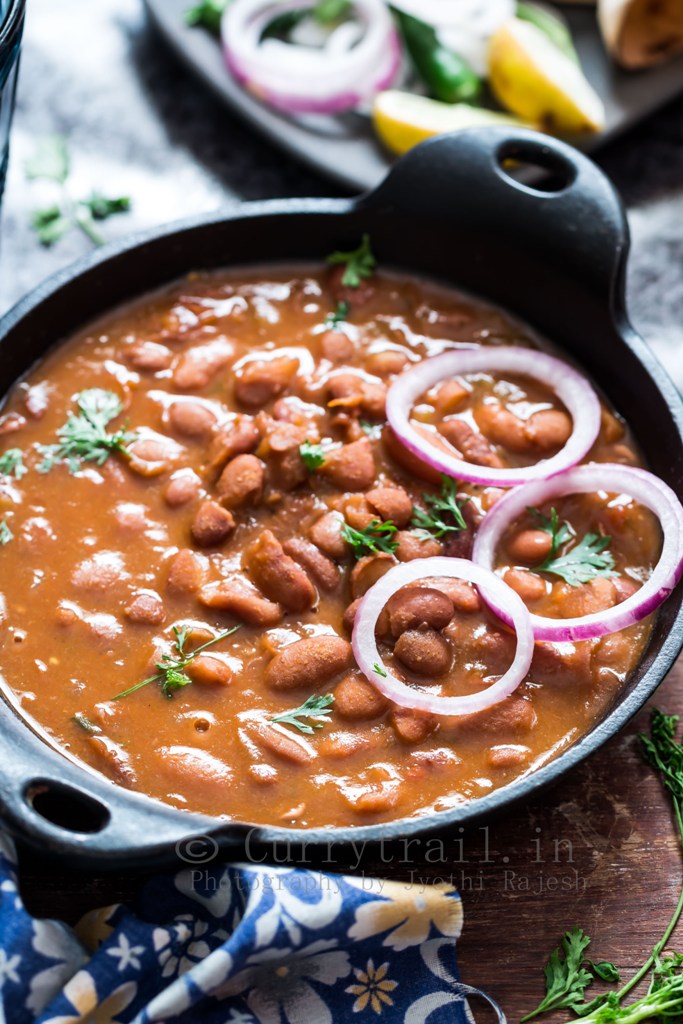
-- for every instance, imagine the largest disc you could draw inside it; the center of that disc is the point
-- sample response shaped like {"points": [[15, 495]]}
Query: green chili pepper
{"points": [[551, 26], [447, 76]]}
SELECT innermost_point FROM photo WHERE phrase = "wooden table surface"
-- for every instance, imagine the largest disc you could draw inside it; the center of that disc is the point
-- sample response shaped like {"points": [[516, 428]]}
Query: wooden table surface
{"points": [[598, 850]]}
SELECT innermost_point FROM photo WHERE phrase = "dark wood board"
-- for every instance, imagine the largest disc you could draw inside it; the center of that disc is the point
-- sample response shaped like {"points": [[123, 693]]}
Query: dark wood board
{"points": [[611, 818], [344, 148]]}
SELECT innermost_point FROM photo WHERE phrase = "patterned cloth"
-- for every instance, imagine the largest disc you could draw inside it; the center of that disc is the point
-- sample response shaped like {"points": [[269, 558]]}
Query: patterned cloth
{"points": [[242, 944]]}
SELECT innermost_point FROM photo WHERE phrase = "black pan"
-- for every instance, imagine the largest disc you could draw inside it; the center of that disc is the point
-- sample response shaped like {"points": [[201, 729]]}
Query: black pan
{"points": [[448, 210]]}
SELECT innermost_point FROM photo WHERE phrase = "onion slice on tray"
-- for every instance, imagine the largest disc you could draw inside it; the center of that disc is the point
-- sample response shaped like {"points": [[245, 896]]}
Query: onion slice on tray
{"points": [[645, 488], [571, 388], [349, 68], [495, 593]]}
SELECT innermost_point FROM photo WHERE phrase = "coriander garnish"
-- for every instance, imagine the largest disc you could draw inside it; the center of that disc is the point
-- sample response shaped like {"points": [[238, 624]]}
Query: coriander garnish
{"points": [[85, 723], [358, 264], [373, 430], [312, 455], [585, 561], [172, 674], [339, 316], [379, 670], [206, 14], [446, 504], [84, 437], [6, 534], [51, 162], [316, 707], [375, 538], [12, 463]]}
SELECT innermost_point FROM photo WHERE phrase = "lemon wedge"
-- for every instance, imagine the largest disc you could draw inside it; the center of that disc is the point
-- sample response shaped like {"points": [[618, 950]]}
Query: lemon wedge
{"points": [[534, 79], [402, 119]]}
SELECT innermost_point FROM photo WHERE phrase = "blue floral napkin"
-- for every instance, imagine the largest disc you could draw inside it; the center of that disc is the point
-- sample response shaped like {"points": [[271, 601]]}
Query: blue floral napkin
{"points": [[242, 944]]}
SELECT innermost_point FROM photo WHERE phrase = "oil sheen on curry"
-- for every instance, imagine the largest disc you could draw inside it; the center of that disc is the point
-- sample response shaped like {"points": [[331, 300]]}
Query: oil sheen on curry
{"points": [[198, 491]]}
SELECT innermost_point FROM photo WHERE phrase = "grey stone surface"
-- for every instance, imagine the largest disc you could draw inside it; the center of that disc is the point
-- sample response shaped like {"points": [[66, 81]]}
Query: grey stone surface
{"points": [[138, 124]]}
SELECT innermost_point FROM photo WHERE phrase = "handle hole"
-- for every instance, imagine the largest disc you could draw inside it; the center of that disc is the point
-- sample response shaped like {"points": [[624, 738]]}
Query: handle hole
{"points": [[534, 167], [66, 807]]}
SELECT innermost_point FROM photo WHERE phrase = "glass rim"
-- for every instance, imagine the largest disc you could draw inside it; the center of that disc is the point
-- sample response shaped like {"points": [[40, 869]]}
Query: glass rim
{"points": [[12, 23]]}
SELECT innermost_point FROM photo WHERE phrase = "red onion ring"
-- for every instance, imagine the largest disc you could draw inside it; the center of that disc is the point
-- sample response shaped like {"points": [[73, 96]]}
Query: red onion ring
{"points": [[496, 593], [573, 390], [649, 490], [303, 79]]}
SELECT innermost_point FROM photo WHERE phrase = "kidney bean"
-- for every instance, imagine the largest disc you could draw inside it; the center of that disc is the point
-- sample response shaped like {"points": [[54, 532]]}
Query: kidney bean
{"points": [[528, 585], [351, 467], [530, 546], [413, 726], [148, 356], [183, 487], [507, 756], [548, 429], [351, 392], [464, 597], [368, 570], [377, 799], [412, 607], [151, 456], [391, 503], [473, 447], [100, 572], [115, 759], [337, 347], [624, 587], [511, 716], [209, 670], [280, 447], [449, 396], [260, 381], [611, 428], [238, 437], [386, 364], [278, 575], [187, 572], [212, 524], [415, 545], [586, 598], [196, 766], [357, 700], [310, 662], [197, 367], [146, 608], [289, 747], [424, 652], [326, 535], [350, 615], [561, 663], [237, 596], [319, 566], [241, 482], [400, 454], [357, 512], [192, 419]]}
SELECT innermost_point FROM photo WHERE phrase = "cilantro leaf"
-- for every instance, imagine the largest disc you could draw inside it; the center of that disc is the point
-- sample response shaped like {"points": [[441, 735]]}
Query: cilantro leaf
{"points": [[50, 224], [206, 14], [585, 561], [444, 514], [84, 437], [312, 454], [6, 534], [358, 263], [328, 11], [339, 316], [101, 206], [375, 538], [604, 970], [316, 707], [565, 978], [171, 667], [50, 160], [12, 463]]}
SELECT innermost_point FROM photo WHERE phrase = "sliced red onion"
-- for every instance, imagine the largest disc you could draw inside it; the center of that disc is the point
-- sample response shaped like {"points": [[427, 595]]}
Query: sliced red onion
{"points": [[570, 387], [494, 591], [645, 488], [306, 79]]}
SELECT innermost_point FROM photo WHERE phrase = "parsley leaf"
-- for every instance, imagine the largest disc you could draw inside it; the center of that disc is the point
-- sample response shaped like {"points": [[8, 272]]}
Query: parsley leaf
{"points": [[312, 454], [50, 224], [583, 562], [446, 504], [375, 538], [604, 970], [359, 263], [50, 160], [101, 207], [172, 674], [6, 534], [84, 437], [565, 978], [206, 14], [339, 316], [316, 707], [12, 463]]}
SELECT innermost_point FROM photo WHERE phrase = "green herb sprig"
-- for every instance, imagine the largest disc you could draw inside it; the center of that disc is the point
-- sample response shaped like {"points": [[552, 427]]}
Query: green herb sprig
{"points": [[444, 512], [207, 14], [375, 538], [316, 708], [339, 315], [84, 437], [12, 463], [358, 264], [587, 560], [6, 534], [51, 162], [566, 979], [313, 455], [171, 668]]}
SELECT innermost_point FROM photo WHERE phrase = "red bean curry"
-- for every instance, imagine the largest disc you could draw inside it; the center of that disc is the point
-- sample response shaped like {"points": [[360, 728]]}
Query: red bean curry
{"points": [[217, 456]]}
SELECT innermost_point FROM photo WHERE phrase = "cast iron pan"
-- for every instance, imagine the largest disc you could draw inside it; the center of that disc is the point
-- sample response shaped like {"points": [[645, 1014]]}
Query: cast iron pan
{"points": [[448, 210]]}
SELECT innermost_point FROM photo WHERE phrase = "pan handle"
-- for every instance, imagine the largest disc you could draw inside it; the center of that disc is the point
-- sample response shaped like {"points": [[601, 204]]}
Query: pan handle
{"points": [[573, 216]]}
